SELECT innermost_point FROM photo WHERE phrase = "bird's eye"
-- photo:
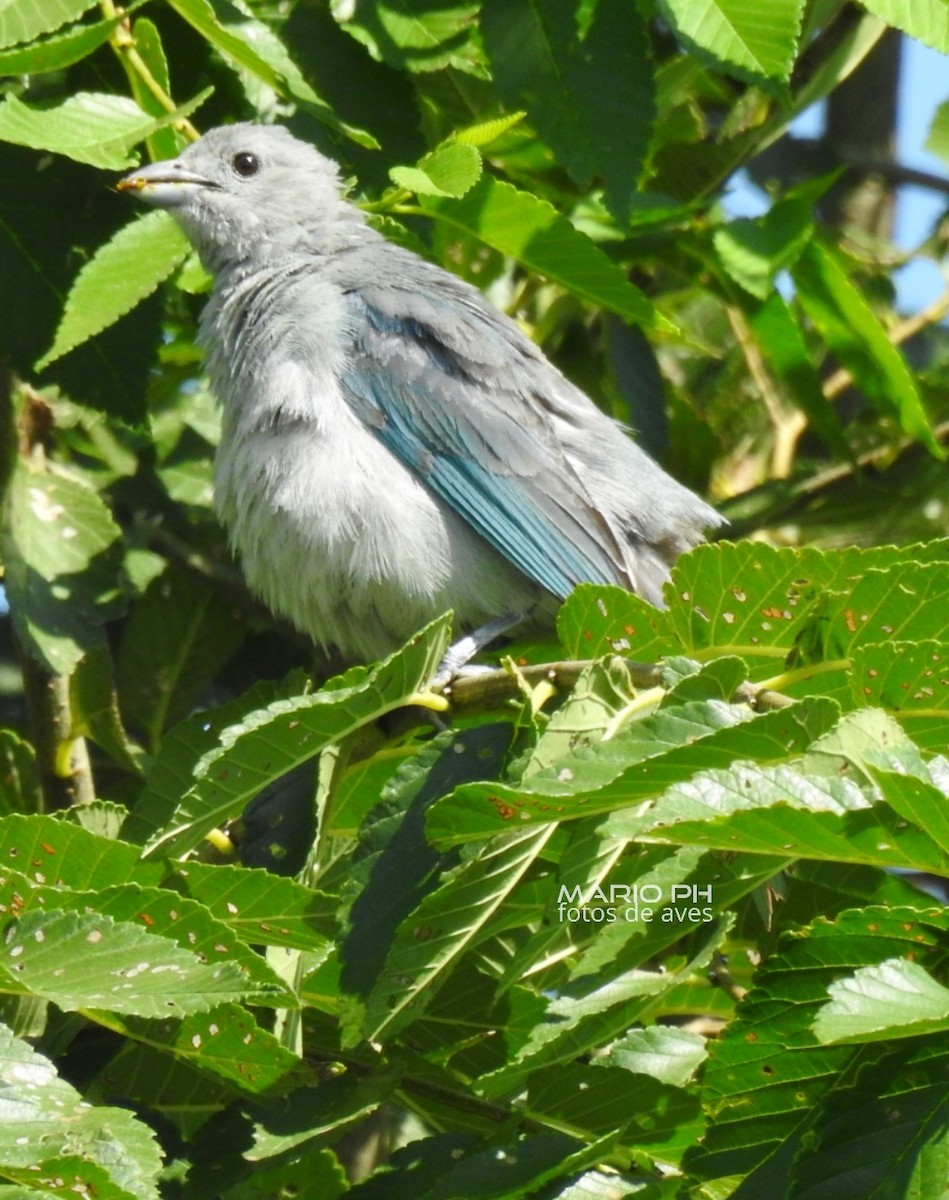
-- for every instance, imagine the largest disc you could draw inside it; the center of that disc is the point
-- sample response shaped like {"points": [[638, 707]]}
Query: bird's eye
{"points": [[246, 164]]}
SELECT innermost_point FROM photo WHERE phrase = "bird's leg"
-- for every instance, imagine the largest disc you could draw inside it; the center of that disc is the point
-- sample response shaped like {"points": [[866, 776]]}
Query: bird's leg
{"points": [[459, 654]]}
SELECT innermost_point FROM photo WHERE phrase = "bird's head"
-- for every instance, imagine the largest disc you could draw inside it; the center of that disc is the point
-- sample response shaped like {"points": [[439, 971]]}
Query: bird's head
{"points": [[246, 189]]}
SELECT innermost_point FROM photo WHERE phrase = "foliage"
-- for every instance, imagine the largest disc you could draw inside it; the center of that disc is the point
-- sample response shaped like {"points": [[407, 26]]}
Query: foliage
{"points": [[637, 923]]}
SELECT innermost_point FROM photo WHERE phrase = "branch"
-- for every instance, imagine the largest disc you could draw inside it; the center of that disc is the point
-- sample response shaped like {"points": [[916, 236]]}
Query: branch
{"points": [[492, 689]]}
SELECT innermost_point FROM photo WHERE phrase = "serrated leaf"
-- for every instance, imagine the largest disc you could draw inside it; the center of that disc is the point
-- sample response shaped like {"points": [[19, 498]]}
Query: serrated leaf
{"points": [[410, 36], [62, 555], [429, 942], [660, 1051], [226, 1041], [740, 36], [451, 170], [271, 742], [171, 773], [45, 1118], [754, 250], [486, 132], [778, 810], [787, 355], [22, 22], [120, 275], [533, 233], [54, 851], [896, 998], [54, 53], [247, 43], [637, 764], [925, 20], [160, 912], [852, 331], [910, 680], [91, 127], [591, 1011], [87, 960], [767, 1079], [261, 908], [546, 60]]}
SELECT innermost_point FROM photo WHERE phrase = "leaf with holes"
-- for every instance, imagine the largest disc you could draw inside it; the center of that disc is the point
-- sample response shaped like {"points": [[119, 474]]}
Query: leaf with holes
{"points": [[87, 960]]}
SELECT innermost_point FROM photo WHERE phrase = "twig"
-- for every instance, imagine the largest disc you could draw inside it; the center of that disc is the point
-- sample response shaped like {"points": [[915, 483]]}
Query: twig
{"points": [[122, 42], [901, 332], [492, 689], [788, 423]]}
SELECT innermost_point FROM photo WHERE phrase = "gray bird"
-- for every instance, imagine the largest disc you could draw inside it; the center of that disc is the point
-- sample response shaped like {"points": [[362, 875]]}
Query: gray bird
{"points": [[393, 446]]}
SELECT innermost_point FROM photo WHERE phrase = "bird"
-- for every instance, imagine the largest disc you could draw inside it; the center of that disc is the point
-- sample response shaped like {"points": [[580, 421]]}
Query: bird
{"points": [[393, 446]]}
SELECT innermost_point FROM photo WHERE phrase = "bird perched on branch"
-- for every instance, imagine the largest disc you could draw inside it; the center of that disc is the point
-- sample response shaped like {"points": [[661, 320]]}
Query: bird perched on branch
{"points": [[393, 446]]}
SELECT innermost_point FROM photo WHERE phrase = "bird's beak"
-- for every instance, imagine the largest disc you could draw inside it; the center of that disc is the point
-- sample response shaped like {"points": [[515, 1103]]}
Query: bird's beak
{"points": [[164, 184]]}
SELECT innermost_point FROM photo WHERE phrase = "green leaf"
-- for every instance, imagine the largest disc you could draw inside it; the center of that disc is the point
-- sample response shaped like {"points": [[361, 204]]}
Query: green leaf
{"points": [[19, 781], [88, 960], [24, 20], [543, 61], [533, 233], [62, 553], [431, 940], [54, 213], [226, 1041], [121, 274], [164, 143], [91, 127], [412, 35], [853, 333], [937, 141], [741, 37], [269, 743], [249, 44], [887, 1135], [642, 759], [786, 354], [925, 20], [179, 636], [753, 251], [594, 1100], [170, 773], [261, 908], [786, 812], [910, 680], [896, 998], [768, 1083], [45, 1119], [53, 851], [593, 1010], [662, 1052], [451, 170], [52, 54], [94, 709], [486, 132]]}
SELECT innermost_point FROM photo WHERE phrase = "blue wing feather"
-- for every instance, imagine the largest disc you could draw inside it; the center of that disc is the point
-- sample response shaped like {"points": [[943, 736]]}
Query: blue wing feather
{"points": [[477, 441]]}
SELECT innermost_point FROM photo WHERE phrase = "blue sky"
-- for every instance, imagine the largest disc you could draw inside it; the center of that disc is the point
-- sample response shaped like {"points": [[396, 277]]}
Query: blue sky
{"points": [[924, 85]]}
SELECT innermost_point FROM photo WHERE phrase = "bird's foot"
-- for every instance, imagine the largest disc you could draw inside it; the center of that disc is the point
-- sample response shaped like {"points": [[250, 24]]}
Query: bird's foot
{"points": [[458, 656]]}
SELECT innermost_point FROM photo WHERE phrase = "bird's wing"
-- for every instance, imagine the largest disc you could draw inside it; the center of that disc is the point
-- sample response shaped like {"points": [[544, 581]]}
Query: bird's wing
{"points": [[457, 394]]}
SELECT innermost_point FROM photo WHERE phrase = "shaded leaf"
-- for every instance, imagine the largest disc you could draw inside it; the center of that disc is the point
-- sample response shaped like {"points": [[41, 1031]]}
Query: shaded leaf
{"points": [[531, 231], [86, 960], [896, 997], [552, 59], [22, 22], [45, 1119]]}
